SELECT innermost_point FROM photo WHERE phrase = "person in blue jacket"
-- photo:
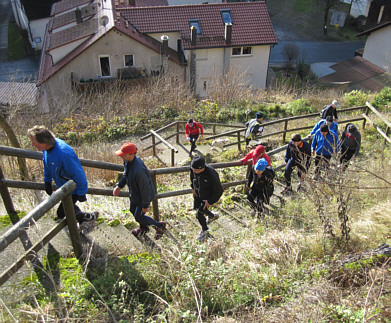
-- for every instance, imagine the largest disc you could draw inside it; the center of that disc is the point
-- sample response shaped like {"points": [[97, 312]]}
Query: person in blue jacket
{"points": [[61, 164], [141, 190], [324, 145], [298, 154], [333, 126]]}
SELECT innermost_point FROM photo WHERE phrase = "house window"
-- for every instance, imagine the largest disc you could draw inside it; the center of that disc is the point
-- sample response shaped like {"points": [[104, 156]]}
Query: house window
{"points": [[246, 50], [195, 23], [104, 62], [226, 15], [236, 51], [129, 60]]}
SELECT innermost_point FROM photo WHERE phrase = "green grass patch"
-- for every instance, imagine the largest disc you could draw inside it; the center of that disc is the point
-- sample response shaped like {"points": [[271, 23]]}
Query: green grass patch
{"points": [[16, 48]]}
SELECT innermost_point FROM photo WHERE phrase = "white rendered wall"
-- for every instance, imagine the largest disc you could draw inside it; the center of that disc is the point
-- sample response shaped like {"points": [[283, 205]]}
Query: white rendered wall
{"points": [[378, 48]]}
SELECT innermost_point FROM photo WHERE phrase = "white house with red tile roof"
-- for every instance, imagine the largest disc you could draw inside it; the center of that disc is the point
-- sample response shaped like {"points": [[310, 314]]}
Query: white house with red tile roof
{"points": [[91, 41]]}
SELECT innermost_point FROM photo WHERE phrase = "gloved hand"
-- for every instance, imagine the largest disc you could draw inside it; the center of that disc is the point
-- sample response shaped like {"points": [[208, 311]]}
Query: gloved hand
{"points": [[81, 198], [48, 188]]}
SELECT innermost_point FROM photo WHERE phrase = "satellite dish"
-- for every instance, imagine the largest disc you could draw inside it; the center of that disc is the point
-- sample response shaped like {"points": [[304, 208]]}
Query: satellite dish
{"points": [[103, 21]]}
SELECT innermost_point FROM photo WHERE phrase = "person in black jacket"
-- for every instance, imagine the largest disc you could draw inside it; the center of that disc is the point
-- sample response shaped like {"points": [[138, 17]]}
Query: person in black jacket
{"points": [[331, 110], [141, 190], [207, 190], [261, 177], [350, 144], [298, 154]]}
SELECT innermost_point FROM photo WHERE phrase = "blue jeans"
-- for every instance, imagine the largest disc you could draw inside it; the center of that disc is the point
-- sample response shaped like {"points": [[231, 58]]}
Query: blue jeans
{"points": [[141, 218]]}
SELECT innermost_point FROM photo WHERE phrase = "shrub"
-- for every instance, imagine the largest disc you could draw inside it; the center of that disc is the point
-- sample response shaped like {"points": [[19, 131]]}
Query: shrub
{"points": [[383, 98], [356, 98], [300, 106]]}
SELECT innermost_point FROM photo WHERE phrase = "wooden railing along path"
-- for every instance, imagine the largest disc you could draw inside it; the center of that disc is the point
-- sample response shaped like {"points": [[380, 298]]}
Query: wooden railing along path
{"points": [[63, 194]]}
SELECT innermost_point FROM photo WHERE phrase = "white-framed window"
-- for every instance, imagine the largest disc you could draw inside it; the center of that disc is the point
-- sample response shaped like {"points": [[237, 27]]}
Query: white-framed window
{"points": [[237, 51], [104, 63], [129, 60]]}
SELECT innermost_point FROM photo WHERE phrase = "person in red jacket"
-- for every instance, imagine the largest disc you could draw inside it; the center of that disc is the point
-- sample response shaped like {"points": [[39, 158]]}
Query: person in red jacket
{"points": [[192, 131], [255, 154]]}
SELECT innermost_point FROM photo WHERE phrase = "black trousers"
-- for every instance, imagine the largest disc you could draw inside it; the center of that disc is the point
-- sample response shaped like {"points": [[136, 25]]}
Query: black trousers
{"points": [[200, 215], [79, 214], [321, 159], [346, 155], [193, 140]]}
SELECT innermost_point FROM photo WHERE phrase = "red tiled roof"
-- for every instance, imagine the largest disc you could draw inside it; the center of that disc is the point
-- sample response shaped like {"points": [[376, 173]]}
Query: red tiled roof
{"points": [[79, 31], [251, 23], [68, 17], [65, 5], [360, 73]]}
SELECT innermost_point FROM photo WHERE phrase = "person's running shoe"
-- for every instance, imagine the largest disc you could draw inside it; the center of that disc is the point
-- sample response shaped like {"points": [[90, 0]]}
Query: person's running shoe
{"points": [[203, 235], [139, 232], [88, 223], [160, 231], [287, 190], [212, 218]]}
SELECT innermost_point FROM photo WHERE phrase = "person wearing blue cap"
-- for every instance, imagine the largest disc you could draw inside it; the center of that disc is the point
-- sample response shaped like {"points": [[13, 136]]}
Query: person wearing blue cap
{"points": [[253, 127], [261, 177]]}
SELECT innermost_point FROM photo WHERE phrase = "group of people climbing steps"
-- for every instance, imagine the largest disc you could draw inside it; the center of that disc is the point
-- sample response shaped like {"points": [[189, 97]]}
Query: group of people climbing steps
{"points": [[62, 164]]}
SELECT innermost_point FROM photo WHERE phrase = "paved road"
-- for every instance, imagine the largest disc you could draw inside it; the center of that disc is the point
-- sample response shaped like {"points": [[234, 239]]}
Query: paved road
{"points": [[315, 52], [23, 70]]}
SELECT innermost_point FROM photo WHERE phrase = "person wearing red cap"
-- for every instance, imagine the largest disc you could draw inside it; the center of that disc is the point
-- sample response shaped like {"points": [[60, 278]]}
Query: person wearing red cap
{"points": [[192, 132], [255, 154], [141, 190]]}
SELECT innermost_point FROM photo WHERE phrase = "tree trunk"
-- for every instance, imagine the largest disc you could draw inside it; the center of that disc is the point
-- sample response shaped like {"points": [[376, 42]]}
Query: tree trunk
{"points": [[14, 143]]}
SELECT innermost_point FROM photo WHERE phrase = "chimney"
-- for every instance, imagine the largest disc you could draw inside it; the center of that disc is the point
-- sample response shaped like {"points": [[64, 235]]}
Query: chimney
{"points": [[228, 33], [164, 39], [79, 19], [193, 35]]}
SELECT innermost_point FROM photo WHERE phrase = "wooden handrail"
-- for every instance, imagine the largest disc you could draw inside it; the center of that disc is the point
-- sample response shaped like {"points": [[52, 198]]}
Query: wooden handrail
{"points": [[163, 140], [370, 106], [377, 129], [38, 212]]}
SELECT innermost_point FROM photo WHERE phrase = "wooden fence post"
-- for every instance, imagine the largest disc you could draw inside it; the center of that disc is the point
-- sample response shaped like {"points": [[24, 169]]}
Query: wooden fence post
{"points": [[153, 145], [239, 145], [387, 133], [155, 203], [285, 129], [214, 129], [365, 120], [72, 226], [172, 157], [177, 132]]}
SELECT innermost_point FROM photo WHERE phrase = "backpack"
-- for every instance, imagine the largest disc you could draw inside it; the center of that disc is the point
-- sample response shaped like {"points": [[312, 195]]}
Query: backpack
{"points": [[323, 113]]}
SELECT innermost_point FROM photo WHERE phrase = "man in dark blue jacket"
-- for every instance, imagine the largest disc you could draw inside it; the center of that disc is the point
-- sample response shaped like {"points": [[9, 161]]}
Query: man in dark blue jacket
{"points": [[324, 145], [61, 164], [141, 190], [207, 190], [298, 154]]}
